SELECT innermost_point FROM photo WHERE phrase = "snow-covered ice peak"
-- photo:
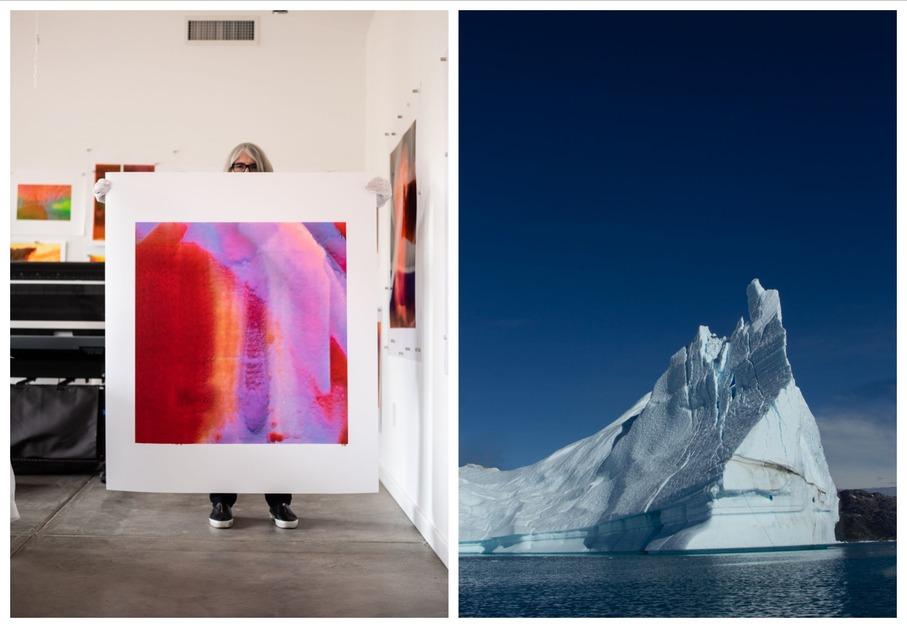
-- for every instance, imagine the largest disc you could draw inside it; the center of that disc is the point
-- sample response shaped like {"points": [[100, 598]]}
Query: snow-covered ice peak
{"points": [[708, 344], [764, 305], [724, 430]]}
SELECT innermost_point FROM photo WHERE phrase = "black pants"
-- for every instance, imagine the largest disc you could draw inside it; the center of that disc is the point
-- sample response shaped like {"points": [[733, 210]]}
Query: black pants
{"points": [[274, 499]]}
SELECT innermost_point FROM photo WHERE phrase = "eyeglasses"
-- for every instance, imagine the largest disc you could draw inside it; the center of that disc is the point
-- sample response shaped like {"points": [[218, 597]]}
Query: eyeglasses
{"points": [[239, 166]]}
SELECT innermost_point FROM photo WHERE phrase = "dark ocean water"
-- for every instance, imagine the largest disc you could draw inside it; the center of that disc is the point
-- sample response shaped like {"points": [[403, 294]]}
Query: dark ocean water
{"points": [[855, 580]]}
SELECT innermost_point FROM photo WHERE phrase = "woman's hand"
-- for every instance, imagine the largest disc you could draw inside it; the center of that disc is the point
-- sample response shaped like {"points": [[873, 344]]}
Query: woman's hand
{"points": [[381, 188], [101, 188]]}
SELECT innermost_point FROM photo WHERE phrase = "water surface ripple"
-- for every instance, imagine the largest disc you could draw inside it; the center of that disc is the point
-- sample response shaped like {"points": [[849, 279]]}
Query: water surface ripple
{"points": [[855, 580]]}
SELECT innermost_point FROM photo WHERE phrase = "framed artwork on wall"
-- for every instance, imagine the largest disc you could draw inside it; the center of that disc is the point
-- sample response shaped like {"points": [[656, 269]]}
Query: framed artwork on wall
{"points": [[44, 251], [47, 204]]}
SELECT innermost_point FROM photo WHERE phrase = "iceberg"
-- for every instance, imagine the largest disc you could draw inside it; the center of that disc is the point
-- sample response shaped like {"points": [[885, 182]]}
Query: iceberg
{"points": [[723, 453]]}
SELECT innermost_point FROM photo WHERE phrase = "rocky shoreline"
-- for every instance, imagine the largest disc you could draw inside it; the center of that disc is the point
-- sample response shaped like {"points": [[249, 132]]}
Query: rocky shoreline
{"points": [[866, 516]]}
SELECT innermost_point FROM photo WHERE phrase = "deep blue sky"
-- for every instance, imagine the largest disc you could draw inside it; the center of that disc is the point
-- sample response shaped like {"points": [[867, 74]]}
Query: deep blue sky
{"points": [[623, 176]]}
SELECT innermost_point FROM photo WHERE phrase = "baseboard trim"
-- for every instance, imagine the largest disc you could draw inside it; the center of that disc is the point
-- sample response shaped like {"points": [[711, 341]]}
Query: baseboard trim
{"points": [[423, 523]]}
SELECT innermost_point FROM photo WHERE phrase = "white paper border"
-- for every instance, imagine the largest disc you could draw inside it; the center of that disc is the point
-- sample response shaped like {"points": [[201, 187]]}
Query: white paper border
{"points": [[241, 468]]}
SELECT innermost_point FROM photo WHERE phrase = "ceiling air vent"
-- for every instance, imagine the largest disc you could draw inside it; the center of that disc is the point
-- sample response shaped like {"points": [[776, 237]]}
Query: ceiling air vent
{"points": [[221, 30]]}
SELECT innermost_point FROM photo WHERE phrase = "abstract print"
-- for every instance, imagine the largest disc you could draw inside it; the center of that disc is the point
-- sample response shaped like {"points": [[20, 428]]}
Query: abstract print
{"points": [[403, 232], [241, 333], [36, 252], [43, 202]]}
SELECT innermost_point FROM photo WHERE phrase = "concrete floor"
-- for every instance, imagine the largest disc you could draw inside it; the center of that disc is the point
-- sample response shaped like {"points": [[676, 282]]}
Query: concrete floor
{"points": [[82, 551]]}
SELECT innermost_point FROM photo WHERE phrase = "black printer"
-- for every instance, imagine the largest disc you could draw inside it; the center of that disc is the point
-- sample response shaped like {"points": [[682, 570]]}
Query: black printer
{"points": [[57, 366]]}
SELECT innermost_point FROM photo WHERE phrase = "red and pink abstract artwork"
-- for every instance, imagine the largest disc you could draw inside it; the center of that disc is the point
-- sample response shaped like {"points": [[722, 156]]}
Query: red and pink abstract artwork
{"points": [[241, 333]]}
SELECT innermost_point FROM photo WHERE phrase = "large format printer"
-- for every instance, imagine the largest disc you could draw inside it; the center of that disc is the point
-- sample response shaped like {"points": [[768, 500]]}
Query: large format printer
{"points": [[56, 366]]}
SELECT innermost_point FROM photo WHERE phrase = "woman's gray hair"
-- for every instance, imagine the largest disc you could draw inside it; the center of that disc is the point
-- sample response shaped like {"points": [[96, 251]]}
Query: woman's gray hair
{"points": [[261, 160]]}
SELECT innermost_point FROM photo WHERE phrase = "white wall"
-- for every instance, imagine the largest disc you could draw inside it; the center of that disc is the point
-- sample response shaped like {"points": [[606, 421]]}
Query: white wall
{"points": [[404, 53], [130, 88]]}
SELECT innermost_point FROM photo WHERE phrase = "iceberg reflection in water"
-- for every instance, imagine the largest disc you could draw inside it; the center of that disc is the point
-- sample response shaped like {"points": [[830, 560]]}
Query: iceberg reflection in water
{"points": [[854, 580]]}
